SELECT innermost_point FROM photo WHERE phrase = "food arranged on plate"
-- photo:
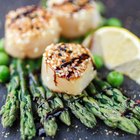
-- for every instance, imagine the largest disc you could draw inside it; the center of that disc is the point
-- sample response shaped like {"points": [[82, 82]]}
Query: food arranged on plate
{"points": [[73, 50]]}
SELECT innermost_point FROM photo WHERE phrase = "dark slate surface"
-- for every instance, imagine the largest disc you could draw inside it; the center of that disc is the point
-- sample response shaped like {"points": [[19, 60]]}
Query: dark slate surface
{"points": [[128, 11]]}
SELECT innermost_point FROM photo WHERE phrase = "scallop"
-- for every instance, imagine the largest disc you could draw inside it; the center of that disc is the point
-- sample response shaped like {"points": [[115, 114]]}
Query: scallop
{"points": [[28, 30], [76, 17], [67, 68]]}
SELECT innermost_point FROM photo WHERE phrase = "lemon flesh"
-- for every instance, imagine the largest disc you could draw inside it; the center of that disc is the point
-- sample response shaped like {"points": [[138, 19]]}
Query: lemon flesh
{"points": [[116, 45], [120, 50]]}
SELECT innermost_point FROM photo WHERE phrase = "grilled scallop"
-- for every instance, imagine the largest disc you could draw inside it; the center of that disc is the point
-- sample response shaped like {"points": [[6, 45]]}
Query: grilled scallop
{"points": [[67, 68], [75, 17], [28, 30]]}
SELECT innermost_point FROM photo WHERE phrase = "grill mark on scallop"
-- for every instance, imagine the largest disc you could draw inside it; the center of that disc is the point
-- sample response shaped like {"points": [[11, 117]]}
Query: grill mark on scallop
{"points": [[79, 59], [74, 2], [25, 13], [79, 6], [29, 18]]}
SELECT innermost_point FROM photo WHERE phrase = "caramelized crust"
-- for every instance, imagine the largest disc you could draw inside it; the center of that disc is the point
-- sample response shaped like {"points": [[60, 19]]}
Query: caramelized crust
{"points": [[28, 30], [29, 18], [67, 60], [72, 6]]}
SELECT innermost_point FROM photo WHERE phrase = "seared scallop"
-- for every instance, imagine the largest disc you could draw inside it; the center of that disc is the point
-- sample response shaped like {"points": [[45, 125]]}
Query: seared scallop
{"points": [[28, 30], [76, 17], [67, 68]]}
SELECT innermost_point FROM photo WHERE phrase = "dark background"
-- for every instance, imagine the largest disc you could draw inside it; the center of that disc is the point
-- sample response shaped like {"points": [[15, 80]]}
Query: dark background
{"points": [[126, 10]]}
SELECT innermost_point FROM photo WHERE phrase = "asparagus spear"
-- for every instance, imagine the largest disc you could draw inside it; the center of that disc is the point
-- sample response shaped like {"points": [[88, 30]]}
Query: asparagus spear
{"points": [[103, 99], [57, 104], [9, 111], [85, 116], [118, 97], [27, 126], [48, 121], [111, 117], [115, 105], [43, 108]]}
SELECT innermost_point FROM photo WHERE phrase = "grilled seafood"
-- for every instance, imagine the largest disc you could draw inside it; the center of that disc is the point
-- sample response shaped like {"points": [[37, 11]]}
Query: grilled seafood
{"points": [[67, 68], [28, 30], [75, 17]]}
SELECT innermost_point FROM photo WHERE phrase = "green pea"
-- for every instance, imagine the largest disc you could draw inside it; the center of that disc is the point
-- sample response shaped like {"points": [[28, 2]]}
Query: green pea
{"points": [[4, 73], [113, 22], [100, 7], [44, 3], [78, 40], [62, 39], [4, 58], [2, 44], [115, 78], [98, 61]]}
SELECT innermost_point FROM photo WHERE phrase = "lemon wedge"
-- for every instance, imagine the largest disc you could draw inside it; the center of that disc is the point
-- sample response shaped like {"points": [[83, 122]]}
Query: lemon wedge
{"points": [[120, 50]]}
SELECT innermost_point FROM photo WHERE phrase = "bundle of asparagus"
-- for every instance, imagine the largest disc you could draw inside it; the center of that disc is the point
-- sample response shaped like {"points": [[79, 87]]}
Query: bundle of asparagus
{"points": [[110, 116], [9, 111], [85, 116], [47, 111], [117, 109], [27, 126], [57, 104], [105, 112], [43, 108], [117, 97], [99, 99]]}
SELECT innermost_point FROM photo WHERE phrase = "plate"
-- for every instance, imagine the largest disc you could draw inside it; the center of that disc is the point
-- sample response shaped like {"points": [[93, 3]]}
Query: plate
{"points": [[128, 11]]}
